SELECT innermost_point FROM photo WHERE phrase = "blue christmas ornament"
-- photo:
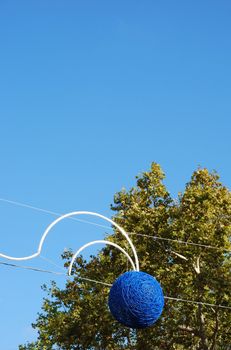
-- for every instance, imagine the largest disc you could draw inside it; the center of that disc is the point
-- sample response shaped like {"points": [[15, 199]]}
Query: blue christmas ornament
{"points": [[136, 299]]}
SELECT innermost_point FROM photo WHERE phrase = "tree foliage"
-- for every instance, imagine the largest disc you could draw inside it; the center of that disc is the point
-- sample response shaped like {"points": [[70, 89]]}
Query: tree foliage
{"points": [[77, 317]]}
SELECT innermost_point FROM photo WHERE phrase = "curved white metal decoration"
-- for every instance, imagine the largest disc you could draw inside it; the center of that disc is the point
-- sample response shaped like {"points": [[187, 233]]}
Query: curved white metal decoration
{"points": [[74, 213], [99, 242]]}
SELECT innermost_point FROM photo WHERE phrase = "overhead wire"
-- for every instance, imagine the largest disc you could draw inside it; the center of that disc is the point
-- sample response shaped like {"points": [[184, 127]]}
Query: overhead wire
{"points": [[25, 205], [31, 268], [51, 262], [180, 241], [109, 285]]}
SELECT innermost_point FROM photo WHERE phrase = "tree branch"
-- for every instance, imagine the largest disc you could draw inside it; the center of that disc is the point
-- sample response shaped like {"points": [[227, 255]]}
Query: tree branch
{"points": [[214, 337], [196, 266], [202, 334], [188, 330], [179, 255]]}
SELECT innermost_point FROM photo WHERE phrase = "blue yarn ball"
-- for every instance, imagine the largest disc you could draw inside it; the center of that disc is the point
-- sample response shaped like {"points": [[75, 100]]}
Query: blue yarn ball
{"points": [[136, 299]]}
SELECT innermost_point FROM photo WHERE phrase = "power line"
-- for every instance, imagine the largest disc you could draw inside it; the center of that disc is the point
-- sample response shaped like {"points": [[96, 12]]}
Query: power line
{"points": [[31, 268], [180, 241], [109, 285], [199, 303], [25, 205], [51, 262], [51, 272]]}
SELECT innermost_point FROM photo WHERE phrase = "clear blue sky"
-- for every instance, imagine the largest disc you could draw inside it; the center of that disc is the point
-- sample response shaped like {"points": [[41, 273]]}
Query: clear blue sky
{"points": [[91, 92]]}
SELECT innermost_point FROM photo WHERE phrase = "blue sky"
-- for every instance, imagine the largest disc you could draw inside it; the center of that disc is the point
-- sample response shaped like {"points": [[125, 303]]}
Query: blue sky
{"points": [[91, 92]]}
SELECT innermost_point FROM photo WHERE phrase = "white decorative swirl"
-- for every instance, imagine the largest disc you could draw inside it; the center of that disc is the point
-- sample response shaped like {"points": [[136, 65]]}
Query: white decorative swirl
{"points": [[75, 213], [99, 242]]}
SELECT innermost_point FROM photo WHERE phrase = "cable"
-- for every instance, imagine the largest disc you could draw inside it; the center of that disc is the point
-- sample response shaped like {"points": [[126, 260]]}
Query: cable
{"points": [[180, 242], [110, 228], [31, 268], [199, 303], [52, 272], [51, 262], [109, 285], [25, 205]]}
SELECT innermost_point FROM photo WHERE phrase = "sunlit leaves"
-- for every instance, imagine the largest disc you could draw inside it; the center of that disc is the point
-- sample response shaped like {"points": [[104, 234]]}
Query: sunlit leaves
{"points": [[77, 317]]}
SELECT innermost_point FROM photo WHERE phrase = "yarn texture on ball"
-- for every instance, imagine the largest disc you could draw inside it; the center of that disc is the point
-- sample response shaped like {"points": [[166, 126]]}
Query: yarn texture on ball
{"points": [[136, 299]]}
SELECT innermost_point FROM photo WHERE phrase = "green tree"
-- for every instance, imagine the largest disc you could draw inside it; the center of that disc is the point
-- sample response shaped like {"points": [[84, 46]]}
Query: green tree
{"points": [[77, 317]]}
